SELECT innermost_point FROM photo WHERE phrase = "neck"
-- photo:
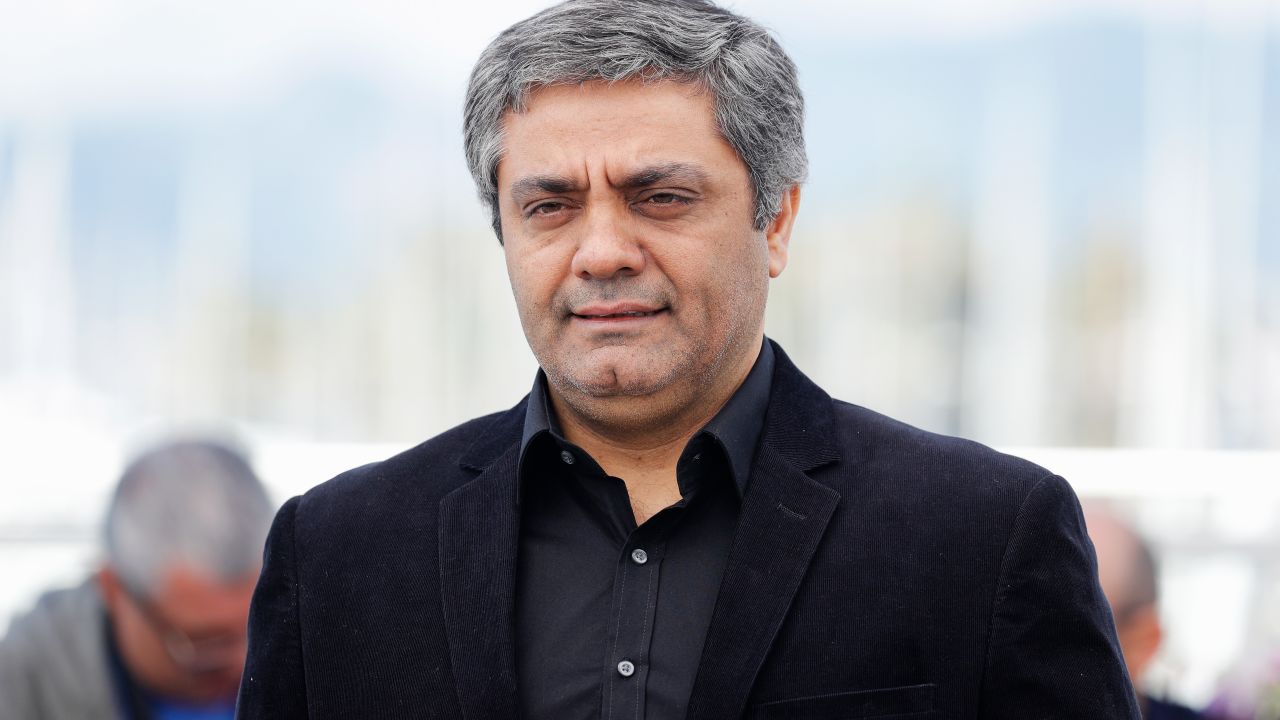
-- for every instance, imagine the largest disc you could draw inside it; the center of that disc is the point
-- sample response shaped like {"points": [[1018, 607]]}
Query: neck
{"points": [[640, 439], [632, 449]]}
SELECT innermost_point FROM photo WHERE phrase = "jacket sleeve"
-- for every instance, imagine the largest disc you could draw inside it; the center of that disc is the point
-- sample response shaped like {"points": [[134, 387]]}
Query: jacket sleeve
{"points": [[17, 684], [1053, 651], [274, 685]]}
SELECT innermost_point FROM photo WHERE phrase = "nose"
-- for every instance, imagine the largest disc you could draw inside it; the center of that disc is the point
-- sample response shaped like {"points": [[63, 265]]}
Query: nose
{"points": [[608, 246]]}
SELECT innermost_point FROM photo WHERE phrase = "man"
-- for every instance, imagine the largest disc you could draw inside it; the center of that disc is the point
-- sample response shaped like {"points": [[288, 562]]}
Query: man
{"points": [[158, 633], [675, 522], [1127, 570]]}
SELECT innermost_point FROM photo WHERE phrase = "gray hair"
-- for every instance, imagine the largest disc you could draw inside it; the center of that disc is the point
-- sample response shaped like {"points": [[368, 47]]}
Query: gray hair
{"points": [[189, 503], [758, 105]]}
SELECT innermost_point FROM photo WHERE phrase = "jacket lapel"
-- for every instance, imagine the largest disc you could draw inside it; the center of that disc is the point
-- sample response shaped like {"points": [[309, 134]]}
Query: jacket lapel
{"points": [[479, 535], [783, 518]]}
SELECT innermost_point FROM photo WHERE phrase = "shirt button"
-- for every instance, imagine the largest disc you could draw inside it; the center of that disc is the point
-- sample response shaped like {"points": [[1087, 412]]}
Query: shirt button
{"points": [[626, 668], [567, 457], [639, 556]]}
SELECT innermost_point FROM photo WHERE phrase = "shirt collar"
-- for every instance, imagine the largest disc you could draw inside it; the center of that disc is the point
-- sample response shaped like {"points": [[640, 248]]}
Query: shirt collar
{"points": [[736, 427]]}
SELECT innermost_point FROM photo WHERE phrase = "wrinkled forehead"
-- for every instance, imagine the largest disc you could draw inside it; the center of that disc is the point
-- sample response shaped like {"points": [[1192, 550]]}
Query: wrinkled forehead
{"points": [[628, 124]]}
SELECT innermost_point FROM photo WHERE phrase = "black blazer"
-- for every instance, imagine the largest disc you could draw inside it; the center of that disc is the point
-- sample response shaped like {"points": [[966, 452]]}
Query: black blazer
{"points": [[878, 571]]}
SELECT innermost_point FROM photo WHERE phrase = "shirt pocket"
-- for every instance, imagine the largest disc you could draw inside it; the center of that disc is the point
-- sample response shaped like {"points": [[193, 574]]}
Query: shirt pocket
{"points": [[908, 701]]}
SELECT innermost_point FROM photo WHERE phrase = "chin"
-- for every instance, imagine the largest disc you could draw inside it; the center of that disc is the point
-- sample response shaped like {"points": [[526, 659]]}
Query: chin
{"points": [[612, 382], [630, 378]]}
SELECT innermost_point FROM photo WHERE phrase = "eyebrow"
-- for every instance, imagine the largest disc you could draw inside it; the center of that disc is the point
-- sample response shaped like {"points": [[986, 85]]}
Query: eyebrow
{"points": [[527, 187], [677, 171], [532, 185]]}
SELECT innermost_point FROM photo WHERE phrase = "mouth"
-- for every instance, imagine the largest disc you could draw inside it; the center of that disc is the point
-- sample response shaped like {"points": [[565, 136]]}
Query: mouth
{"points": [[616, 316], [617, 313]]}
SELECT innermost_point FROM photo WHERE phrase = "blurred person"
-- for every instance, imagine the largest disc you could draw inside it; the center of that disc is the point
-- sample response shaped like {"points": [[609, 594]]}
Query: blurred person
{"points": [[158, 632], [1127, 570], [675, 522]]}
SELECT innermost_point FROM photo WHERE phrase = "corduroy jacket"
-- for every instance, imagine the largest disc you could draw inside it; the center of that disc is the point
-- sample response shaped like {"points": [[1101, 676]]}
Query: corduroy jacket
{"points": [[877, 571]]}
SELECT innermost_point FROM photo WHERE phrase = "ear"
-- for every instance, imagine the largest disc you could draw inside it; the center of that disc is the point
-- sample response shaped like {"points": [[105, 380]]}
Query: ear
{"points": [[110, 587], [1140, 638], [778, 234]]}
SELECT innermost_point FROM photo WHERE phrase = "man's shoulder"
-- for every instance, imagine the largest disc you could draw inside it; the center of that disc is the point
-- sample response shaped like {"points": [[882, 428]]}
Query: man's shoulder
{"points": [[920, 461], [64, 611], [878, 456], [423, 473], [60, 641]]}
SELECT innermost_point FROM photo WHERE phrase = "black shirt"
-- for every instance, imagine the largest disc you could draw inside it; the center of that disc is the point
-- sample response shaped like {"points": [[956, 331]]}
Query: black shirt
{"points": [[611, 617]]}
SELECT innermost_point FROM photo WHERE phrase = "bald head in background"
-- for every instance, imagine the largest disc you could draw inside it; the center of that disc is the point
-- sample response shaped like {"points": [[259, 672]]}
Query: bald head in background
{"points": [[1129, 578], [1127, 571]]}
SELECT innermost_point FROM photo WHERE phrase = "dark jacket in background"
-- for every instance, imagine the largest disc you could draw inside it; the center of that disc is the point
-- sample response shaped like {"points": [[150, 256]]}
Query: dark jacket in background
{"points": [[1164, 710], [877, 571]]}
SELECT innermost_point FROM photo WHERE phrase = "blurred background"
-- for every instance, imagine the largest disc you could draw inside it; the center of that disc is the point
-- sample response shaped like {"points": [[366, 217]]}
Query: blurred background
{"points": [[1049, 226]]}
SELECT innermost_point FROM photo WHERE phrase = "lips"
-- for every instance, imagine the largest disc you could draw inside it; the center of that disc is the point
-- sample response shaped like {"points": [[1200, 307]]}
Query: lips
{"points": [[622, 311], [610, 316]]}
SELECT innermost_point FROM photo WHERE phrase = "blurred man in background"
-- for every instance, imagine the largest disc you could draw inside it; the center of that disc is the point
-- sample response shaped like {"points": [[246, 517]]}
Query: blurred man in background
{"points": [[158, 633], [1127, 570]]}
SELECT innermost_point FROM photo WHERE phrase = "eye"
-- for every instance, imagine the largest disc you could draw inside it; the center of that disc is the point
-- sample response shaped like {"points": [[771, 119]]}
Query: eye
{"points": [[546, 208], [663, 204], [666, 199]]}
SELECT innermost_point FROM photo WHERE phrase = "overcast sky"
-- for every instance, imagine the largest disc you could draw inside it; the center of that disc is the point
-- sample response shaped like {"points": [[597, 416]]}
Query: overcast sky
{"points": [[62, 57]]}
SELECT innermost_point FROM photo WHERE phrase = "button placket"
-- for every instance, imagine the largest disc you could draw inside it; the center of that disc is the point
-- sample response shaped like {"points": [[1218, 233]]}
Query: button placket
{"points": [[635, 603]]}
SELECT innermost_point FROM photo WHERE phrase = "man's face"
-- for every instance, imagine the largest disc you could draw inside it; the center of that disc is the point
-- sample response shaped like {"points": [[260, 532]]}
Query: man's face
{"points": [[627, 227], [187, 639]]}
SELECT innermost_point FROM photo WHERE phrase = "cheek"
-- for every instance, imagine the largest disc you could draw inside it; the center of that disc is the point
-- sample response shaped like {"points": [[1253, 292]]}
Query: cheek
{"points": [[725, 270], [534, 280]]}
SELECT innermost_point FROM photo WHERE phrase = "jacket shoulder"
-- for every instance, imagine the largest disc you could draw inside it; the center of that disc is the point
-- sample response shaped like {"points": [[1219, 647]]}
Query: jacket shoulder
{"points": [[416, 478], [55, 625], [53, 657], [925, 461]]}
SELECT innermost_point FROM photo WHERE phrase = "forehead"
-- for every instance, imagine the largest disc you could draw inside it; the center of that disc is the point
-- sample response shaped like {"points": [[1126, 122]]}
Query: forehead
{"points": [[184, 591], [570, 128]]}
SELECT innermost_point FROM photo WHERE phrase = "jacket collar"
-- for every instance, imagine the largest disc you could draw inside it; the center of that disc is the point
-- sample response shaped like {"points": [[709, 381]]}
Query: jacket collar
{"points": [[800, 424], [495, 437]]}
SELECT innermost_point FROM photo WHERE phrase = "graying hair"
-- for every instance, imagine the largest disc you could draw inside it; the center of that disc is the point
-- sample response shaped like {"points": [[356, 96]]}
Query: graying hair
{"points": [[758, 106], [194, 504]]}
